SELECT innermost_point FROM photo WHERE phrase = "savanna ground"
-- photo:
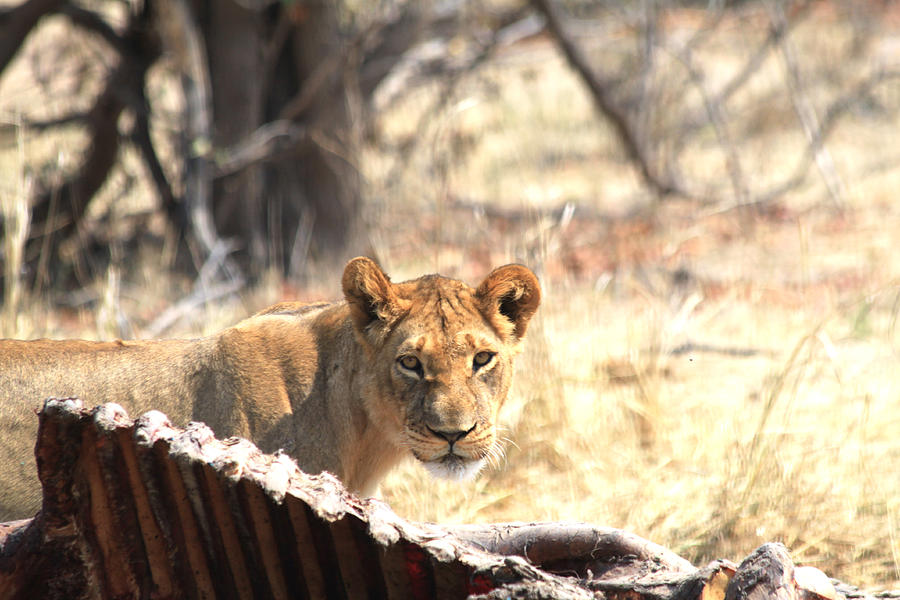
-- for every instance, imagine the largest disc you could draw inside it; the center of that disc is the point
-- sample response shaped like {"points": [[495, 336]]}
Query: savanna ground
{"points": [[708, 376]]}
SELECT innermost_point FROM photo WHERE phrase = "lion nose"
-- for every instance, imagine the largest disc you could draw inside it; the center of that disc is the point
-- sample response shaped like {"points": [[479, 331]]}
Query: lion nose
{"points": [[451, 435]]}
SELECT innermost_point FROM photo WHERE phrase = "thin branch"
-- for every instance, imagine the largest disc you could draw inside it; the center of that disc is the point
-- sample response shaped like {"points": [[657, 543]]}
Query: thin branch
{"points": [[753, 64], [141, 138], [601, 91], [827, 124], [103, 132], [805, 112], [273, 49], [283, 135], [390, 43], [313, 84], [714, 113], [266, 143], [507, 35], [203, 293], [392, 34], [691, 123]]}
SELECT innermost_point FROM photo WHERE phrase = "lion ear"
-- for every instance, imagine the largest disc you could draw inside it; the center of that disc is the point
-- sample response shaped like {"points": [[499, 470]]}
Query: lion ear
{"points": [[509, 297], [370, 293]]}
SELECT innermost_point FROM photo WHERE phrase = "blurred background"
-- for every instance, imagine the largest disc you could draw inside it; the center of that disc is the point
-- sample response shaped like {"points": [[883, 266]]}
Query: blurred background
{"points": [[707, 191]]}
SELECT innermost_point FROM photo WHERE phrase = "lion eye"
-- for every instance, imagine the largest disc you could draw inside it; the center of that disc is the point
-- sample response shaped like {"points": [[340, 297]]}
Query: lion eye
{"points": [[482, 358], [410, 362]]}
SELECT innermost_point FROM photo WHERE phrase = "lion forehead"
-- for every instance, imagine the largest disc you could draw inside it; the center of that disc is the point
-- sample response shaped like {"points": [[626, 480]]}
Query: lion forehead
{"points": [[460, 343]]}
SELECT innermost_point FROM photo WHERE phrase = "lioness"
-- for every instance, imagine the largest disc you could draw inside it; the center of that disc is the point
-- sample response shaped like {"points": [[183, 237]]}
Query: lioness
{"points": [[421, 366]]}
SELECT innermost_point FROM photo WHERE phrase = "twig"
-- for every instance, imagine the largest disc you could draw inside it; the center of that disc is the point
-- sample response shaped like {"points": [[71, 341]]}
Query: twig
{"points": [[507, 35], [14, 221], [43, 125], [182, 308], [720, 98], [776, 34], [827, 124], [313, 84]]}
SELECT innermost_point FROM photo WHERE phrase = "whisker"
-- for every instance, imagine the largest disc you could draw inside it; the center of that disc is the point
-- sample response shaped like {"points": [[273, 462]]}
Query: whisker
{"points": [[507, 440], [495, 455]]}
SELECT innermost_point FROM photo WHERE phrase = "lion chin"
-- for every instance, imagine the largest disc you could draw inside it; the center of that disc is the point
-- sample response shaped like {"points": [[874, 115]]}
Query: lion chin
{"points": [[454, 467]]}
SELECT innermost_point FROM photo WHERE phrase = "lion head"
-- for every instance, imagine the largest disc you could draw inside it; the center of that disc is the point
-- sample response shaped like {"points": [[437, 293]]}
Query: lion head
{"points": [[442, 358]]}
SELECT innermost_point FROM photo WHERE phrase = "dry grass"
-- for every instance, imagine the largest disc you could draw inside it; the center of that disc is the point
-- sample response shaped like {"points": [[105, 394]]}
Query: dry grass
{"points": [[705, 448]]}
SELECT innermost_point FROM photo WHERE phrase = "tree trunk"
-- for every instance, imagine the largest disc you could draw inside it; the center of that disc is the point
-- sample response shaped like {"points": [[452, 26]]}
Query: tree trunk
{"points": [[268, 67], [234, 39]]}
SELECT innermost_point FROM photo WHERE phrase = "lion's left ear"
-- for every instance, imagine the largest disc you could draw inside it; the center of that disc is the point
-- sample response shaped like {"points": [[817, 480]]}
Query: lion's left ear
{"points": [[370, 293], [513, 292]]}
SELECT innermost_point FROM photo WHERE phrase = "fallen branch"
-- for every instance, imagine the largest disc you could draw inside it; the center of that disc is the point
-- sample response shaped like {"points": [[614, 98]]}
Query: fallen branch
{"points": [[571, 547]]}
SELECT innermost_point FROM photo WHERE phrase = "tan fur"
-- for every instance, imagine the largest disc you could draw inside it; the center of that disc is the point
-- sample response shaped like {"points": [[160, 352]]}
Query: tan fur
{"points": [[328, 383]]}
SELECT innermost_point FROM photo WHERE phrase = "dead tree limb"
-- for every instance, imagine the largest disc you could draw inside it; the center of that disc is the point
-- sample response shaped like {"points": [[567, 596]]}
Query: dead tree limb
{"points": [[515, 27], [266, 143], [753, 64], [714, 112], [831, 117], [572, 547]]}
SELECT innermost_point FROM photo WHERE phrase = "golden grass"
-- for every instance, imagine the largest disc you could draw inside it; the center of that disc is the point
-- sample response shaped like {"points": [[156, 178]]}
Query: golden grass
{"points": [[708, 452]]}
